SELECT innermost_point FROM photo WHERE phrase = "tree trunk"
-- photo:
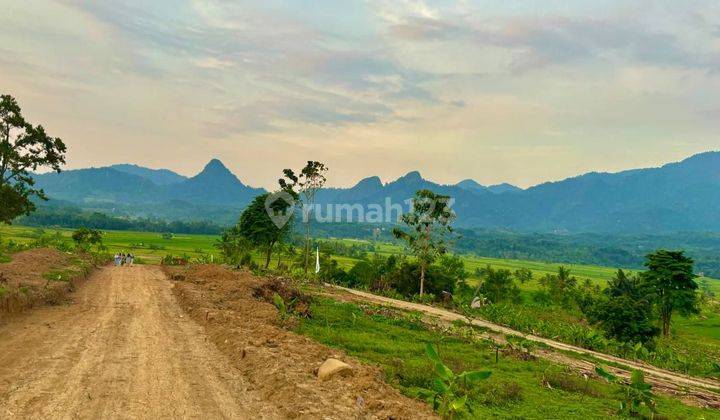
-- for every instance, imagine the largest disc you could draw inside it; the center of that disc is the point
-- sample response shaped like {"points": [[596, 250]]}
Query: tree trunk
{"points": [[422, 279], [666, 323], [267, 256], [307, 244]]}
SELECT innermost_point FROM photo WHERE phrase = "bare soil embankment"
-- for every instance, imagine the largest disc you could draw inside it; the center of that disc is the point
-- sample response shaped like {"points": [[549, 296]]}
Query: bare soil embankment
{"points": [[24, 284], [279, 364]]}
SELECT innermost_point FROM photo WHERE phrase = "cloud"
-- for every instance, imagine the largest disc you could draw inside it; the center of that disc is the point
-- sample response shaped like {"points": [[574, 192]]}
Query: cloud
{"points": [[537, 41], [284, 67]]}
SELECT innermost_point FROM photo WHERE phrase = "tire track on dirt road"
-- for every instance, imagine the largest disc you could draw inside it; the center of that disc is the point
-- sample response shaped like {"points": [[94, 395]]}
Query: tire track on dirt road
{"points": [[123, 349]]}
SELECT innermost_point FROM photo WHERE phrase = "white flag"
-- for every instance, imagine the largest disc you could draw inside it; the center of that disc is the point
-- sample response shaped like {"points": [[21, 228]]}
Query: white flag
{"points": [[317, 260]]}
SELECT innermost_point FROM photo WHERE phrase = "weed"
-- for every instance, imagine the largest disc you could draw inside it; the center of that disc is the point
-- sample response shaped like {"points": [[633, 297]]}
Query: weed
{"points": [[571, 383], [500, 393]]}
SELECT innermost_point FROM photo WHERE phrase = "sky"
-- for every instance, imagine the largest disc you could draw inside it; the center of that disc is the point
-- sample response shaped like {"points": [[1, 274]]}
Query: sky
{"points": [[497, 91]]}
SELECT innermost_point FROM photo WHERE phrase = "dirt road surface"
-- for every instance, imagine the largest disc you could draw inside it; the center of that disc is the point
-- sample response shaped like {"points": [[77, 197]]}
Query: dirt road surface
{"points": [[123, 349]]}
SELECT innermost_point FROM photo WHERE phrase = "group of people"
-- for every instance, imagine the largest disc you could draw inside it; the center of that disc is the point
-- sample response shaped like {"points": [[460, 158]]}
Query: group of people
{"points": [[122, 258]]}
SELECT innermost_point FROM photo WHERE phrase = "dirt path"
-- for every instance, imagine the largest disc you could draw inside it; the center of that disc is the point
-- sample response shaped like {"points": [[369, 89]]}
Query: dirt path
{"points": [[705, 390], [123, 349]]}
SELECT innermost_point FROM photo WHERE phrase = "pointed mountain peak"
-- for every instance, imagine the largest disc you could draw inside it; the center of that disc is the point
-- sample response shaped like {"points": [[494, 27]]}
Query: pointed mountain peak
{"points": [[215, 165], [369, 182], [216, 171], [410, 177]]}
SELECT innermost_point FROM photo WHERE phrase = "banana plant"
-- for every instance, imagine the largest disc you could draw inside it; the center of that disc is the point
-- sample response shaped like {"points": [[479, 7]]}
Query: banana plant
{"points": [[634, 395], [449, 395]]}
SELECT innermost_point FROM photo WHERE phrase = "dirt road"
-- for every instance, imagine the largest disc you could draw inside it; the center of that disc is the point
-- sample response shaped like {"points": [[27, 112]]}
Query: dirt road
{"points": [[123, 349]]}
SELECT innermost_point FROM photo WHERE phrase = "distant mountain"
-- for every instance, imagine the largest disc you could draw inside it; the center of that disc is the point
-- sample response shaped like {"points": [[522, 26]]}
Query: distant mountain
{"points": [[675, 197], [213, 194], [472, 185], [503, 188], [157, 176], [215, 185], [98, 186]]}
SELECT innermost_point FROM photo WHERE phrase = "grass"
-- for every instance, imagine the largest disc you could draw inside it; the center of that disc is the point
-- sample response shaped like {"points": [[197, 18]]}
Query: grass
{"points": [[395, 343], [148, 246]]}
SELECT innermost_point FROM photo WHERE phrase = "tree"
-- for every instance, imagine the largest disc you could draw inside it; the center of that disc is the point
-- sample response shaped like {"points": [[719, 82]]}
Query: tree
{"points": [[523, 275], [404, 279], [23, 148], [498, 285], [84, 238], [259, 229], [428, 228], [560, 285], [670, 279], [304, 186], [233, 245], [624, 310]]}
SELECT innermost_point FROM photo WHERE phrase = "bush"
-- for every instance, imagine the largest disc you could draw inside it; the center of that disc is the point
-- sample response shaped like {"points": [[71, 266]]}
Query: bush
{"points": [[406, 280]]}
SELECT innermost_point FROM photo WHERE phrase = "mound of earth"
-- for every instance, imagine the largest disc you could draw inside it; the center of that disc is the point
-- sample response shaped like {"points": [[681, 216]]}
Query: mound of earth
{"points": [[278, 363], [23, 283], [27, 267]]}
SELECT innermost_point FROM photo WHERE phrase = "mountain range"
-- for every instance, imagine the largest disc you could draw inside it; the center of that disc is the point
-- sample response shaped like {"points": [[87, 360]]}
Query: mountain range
{"points": [[678, 196]]}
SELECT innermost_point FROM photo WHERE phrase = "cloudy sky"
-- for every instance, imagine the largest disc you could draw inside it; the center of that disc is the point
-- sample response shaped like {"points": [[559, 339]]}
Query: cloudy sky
{"points": [[491, 90]]}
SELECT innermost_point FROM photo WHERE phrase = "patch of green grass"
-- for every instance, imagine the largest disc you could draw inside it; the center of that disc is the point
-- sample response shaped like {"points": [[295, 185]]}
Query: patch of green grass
{"points": [[515, 389]]}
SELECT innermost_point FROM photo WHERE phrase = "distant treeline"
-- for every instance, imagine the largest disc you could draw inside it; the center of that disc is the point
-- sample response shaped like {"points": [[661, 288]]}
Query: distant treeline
{"points": [[68, 217], [626, 251]]}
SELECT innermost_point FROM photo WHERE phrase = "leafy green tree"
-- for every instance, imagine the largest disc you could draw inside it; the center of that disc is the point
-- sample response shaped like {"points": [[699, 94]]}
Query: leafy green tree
{"points": [[23, 148], [428, 229], [560, 286], [624, 310], [670, 279], [233, 245], [363, 273], [259, 229], [498, 285], [304, 186], [404, 279], [523, 275], [85, 238]]}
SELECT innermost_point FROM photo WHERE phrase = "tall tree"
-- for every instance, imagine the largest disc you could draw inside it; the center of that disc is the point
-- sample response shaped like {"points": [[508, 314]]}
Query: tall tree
{"points": [[670, 278], [23, 148], [561, 285], [304, 186], [257, 227], [624, 310], [428, 228]]}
